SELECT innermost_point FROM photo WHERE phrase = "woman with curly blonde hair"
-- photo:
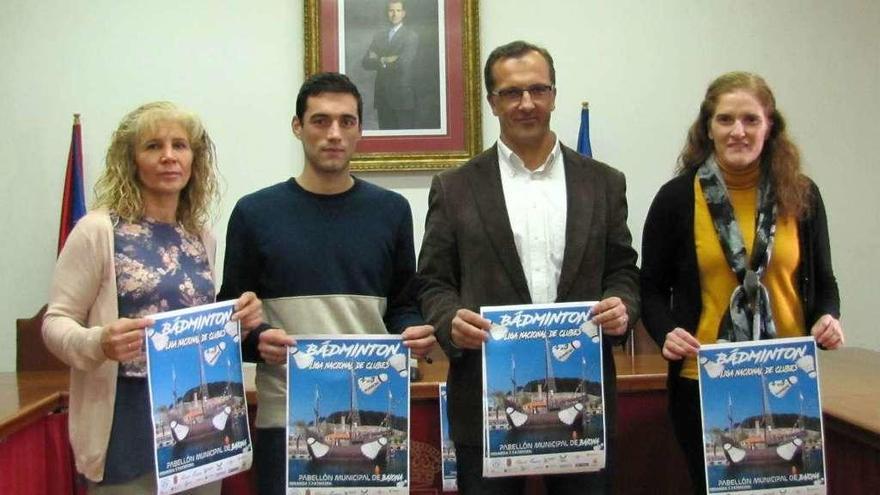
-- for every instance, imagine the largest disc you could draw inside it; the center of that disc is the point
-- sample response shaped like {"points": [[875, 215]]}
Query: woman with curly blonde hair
{"points": [[118, 188], [735, 247], [144, 248]]}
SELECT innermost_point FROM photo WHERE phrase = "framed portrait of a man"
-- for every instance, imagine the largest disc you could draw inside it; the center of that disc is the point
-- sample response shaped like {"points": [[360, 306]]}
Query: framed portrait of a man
{"points": [[416, 64]]}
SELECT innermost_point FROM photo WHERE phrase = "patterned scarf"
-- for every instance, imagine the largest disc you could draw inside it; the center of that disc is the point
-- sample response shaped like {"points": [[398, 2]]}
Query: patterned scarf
{"points": [[749, 316]]}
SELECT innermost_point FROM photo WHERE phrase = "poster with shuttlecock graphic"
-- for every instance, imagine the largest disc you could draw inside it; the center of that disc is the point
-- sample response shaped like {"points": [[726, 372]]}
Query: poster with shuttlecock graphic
{"points": [[449, 469], [762, 417], [348, 415], [543, 399], [197, 397]]}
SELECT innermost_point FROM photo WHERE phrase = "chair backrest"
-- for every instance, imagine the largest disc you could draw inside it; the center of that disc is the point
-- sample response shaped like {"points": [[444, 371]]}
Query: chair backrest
{"points": [[31, 352]]}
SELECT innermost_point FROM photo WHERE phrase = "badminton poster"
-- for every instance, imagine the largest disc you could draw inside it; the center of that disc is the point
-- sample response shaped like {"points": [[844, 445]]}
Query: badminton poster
{"points": [[348, 415], [543, 400], [762, 417], [200, 422], [447, 448]]}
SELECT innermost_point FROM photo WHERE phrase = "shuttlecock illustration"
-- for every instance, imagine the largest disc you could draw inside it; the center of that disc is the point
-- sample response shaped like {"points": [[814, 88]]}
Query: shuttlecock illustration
{"points": [[400, 364], [317, 448], [788, 450], [219, 420], [302, 360], [808, 364], [179, 431], [213, 353], [159, 340], [498, 332], [515, 417], [590, 329], [570, 414], [781, 387], [736, 454], [369, 384], [231, 329], [563, 351], [712, 368], [372, 449]]}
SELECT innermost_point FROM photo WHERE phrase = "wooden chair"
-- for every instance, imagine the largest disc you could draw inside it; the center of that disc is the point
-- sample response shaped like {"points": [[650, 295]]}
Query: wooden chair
{"points": [[31, 352]]}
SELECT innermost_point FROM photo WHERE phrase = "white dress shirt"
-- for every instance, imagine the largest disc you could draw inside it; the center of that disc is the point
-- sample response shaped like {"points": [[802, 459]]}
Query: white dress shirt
{"points": [[536, 208], [394, 30]]}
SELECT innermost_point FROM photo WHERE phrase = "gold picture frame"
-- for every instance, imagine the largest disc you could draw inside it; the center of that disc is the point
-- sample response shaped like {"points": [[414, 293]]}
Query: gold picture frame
{"points": [[444, 127]]}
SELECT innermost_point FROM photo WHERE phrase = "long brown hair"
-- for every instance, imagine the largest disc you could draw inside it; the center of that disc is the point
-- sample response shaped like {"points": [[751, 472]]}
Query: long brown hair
{"points": [[780, 155], [118, 189]]}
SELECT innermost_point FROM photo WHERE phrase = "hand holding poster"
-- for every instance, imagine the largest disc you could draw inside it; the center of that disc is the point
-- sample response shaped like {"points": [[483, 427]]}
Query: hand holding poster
{"points": [[197, 400], [543, 400], [348, 415], [762, 417]]}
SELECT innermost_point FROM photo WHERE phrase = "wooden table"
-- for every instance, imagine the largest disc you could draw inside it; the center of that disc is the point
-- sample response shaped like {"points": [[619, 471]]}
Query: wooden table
{"points": [[636, 373], [850, 388], [35, 456], [644, 429], [28, 396], [647, 461]]}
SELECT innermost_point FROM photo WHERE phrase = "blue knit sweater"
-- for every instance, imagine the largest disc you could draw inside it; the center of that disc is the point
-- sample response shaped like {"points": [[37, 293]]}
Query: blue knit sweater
{"points": [[340, 263]]}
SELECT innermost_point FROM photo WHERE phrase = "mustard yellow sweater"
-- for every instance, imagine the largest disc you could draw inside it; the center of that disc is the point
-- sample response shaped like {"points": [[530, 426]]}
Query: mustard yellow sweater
{"points": [[717, 280]]}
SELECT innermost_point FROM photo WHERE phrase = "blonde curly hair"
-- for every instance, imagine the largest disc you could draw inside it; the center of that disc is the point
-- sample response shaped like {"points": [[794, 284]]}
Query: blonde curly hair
{"points": [[119, 189]]}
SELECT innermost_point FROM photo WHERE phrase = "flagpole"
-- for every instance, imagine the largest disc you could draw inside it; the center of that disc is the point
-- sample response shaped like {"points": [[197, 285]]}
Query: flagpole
{"points": [[583, 139], [73, 198]]}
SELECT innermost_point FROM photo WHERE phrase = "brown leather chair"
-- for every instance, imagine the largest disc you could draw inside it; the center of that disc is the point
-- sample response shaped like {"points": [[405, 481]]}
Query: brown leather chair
{"points": [[31, 352]]}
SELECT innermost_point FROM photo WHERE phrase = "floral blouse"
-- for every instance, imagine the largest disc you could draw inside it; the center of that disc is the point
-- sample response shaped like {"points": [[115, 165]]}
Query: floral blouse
{"points": [[159, 267]]}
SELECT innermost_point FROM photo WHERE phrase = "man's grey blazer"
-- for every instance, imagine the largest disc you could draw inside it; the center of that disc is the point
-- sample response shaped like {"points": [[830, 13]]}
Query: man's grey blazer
{"points": [[468, 260]]}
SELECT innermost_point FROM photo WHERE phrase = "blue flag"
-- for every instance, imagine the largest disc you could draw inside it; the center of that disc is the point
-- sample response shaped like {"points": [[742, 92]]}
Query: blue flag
{"points": [[73, 205], [583, 146]]}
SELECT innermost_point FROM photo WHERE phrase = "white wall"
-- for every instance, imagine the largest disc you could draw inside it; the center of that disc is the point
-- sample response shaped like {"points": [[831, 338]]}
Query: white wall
{"points": [[642, 65]]}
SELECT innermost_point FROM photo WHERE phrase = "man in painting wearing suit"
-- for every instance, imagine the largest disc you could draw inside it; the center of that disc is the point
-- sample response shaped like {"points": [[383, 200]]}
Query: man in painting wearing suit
{"points": [[391, 54], [527, 221]]}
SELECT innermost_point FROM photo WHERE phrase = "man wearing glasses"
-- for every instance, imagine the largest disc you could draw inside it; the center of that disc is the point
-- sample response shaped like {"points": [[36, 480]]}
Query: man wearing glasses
{"points": [[527, 221]]}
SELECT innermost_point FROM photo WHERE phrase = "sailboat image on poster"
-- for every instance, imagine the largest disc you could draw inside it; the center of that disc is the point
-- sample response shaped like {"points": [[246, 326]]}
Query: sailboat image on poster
{"points": [[762, 419], [547, 408], [542, 390], [764, 444], [351, 440], [199, 412], [204, 411], [348, 415]]}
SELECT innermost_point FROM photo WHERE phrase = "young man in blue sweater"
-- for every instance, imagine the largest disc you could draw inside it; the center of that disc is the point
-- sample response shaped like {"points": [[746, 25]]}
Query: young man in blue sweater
{"points": [[326, 252]]}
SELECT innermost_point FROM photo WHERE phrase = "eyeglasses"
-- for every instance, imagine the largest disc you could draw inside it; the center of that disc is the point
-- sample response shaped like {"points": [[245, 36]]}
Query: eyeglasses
{"points": [[536, 91]]}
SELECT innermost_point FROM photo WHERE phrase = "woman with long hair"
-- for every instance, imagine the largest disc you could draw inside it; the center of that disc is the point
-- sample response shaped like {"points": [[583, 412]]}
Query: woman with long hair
{"points": [[144, 248], [740, 226]]}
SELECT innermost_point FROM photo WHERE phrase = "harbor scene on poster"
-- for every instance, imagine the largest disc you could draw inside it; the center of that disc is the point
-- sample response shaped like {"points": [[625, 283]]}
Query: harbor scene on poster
{"points": [[543, 400], [762, 417], [447, 448], [348, 415], [199, 412]]}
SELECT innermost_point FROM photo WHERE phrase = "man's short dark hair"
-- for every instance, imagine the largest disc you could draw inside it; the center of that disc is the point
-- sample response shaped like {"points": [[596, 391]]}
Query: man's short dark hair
{"points": [[327, 82], [514, 49]]}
